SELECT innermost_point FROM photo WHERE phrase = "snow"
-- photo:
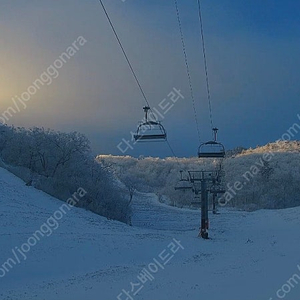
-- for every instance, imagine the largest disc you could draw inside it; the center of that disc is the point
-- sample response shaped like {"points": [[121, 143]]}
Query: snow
{"points": [[249, 256], [270, 175]]}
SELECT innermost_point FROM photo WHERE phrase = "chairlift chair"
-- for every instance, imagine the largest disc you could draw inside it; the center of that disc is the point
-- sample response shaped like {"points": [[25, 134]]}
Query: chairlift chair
{"points": [[212, 149], [183, 184], [150, 130]]}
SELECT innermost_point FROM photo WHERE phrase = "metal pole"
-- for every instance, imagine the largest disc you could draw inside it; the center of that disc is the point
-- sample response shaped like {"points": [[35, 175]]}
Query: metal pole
{"points": [[204, 210], [214, 203]]}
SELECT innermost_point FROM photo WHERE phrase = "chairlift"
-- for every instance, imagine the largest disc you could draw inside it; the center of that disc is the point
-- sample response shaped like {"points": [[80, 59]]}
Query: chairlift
{"points": [[212, 149], [150, 130], [183, 184]]}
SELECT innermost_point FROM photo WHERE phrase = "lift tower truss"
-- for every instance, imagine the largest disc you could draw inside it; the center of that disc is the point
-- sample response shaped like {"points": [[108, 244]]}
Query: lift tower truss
{"points": [[205, 182]]}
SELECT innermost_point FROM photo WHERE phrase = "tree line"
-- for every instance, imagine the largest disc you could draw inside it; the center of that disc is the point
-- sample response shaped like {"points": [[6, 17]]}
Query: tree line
{"points": [[59, 163]]}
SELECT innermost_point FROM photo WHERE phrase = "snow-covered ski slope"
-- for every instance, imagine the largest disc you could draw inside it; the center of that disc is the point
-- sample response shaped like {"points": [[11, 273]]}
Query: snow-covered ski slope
{"points": [[250, 255], [148, 212]]}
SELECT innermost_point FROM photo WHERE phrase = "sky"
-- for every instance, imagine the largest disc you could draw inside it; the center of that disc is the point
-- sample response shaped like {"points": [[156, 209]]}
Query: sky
{"points": [[253, 61]]}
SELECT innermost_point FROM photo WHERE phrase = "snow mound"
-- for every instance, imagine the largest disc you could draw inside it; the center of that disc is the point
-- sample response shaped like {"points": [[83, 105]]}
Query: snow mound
{"points": [[89, 257]]}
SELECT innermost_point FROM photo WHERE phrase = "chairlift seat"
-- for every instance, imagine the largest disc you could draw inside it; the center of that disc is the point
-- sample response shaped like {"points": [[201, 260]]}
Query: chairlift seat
{"points": [[150, 131], [183, 185], [138, 137], [211, 149]]}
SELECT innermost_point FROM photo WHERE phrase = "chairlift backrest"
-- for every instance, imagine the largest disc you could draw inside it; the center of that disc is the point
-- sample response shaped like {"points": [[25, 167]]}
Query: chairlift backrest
{"points": [[150, 130], [211, 149]]}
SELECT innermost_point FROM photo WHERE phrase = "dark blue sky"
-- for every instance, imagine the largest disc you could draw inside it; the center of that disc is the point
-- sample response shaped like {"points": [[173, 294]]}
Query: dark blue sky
{"points": [[253, 59]]}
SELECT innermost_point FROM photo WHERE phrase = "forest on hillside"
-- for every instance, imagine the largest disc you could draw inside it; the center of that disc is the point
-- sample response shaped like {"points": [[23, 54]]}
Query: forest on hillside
{"points": [[270, 175], [59, 164]]}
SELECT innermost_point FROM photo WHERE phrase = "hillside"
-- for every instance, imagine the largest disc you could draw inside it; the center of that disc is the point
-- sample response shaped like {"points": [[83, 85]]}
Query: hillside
{"points": [[250, 255], [270, 175]]}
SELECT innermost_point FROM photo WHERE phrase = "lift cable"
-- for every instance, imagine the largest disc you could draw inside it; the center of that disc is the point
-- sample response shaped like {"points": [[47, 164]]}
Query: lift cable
{"points": [[187, 67], [172, 151], [130, 65], [205, 66], [124, 52]]}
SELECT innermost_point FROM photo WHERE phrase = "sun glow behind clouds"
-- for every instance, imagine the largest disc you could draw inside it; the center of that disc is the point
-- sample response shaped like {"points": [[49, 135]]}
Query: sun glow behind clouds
{"points": [[11, 78], [96, 94]]}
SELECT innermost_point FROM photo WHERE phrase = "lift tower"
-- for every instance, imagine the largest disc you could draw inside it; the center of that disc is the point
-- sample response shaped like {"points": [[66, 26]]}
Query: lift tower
{"points": [[205, 182]]}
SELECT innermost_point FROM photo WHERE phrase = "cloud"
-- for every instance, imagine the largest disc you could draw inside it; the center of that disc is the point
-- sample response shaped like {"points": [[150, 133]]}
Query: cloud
{"points": [[253, 76]]}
